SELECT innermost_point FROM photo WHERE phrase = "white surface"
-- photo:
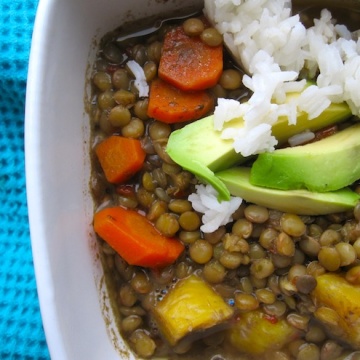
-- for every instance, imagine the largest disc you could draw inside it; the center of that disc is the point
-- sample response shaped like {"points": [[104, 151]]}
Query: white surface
{"points": [[57, 170]]}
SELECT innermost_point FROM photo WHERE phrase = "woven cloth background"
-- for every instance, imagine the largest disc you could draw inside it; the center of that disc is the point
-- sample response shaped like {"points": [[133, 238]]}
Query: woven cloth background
{"points": [[21, 332]]}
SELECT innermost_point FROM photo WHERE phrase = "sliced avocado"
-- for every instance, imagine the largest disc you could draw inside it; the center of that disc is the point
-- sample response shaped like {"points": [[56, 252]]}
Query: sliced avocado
{"points": [[198, 148], [326, 165], [300, 202]]}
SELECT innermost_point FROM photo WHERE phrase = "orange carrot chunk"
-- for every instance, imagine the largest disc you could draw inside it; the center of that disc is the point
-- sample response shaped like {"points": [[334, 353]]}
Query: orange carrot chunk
{"points": [[188, 63], [120, 158], [135, 238], [172, 105]]}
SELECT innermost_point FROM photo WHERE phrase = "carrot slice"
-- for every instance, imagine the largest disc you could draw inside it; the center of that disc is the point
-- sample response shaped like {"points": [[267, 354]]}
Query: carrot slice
{"points": [[172, 105], [120, 158], [188, 63], [135, 238]]}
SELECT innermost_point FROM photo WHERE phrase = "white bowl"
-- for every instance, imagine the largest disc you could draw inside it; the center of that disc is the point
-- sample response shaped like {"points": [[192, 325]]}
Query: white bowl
{"points": [[75, 309], [74, 304]]}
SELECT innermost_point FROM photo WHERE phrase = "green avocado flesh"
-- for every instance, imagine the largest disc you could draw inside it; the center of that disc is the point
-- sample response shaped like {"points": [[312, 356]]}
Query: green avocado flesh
{"points": [[198, 148], [326, 165], [302, 202]]}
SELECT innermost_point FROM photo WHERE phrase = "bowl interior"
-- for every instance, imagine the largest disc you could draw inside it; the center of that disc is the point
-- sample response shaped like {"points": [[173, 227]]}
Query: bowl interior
{"points": [[74, 303]]}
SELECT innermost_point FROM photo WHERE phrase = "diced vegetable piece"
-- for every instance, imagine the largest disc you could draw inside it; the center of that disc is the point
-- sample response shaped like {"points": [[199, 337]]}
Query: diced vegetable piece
{"points": [[256, 333], [120, 158], [329, 164], [135, 238], [301, 202], [190, 306], [172, 105], [338, 307], [188, 63]]}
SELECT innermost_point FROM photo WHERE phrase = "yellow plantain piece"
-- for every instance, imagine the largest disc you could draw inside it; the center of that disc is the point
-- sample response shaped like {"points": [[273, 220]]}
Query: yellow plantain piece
{"points": [[192, 305], [338, 307], [256, 333]]}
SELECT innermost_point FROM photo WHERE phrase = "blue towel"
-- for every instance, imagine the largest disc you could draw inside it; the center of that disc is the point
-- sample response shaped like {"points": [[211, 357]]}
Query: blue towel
{"points": [[21, 331]]}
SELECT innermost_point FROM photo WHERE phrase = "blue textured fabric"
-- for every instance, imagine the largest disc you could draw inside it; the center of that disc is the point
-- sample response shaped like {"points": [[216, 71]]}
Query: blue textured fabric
{"points": [[21, 331]]}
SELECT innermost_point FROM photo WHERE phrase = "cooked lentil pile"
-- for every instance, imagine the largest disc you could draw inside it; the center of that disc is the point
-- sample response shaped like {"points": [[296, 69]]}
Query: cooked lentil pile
{"points": [[265, 268]]}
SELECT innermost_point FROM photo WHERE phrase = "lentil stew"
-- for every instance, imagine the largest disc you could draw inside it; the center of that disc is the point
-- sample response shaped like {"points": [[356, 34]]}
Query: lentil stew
{"points": [[265, 274]]}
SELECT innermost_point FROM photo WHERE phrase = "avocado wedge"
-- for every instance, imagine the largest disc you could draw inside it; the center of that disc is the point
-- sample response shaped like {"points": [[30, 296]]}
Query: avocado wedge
{"points": [[198, 148], [326, 165], [302, 202]]}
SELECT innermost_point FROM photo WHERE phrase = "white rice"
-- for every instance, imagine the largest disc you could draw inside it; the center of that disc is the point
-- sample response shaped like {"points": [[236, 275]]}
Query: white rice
{"points": [[140, 79], [215, 214], [301, 138], [272, 46]]}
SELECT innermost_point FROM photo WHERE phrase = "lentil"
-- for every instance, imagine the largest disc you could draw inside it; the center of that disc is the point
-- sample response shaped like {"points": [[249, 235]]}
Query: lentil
{"points": [[246, 302], [305, 283], [230, 79], [243, 228], [292, 225], [131, 323], [256, 214], [183, 270], [105, 100], [284, 245], [234, 243], [246, 285], [214, 272], [180, 205], [154, 51], [157, 208], [262, 268], [140, 283], [120, 79], [330, 350], [346, 252], [308, 352], [201, 251], [102, 80], [231, 260], [256, 251], [211, 37], [265, 296], [150, 70], [189, 221], [144, 346], [124, 97], [276, 308], [310, 246], [127, 295], [112, 53], [267, 237], [329, 237], [140, 109], [134, 129], [167, 224], [295, 271], [315, 334], [329, 258], [297, 320], [189, 237], [193, 27]]}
